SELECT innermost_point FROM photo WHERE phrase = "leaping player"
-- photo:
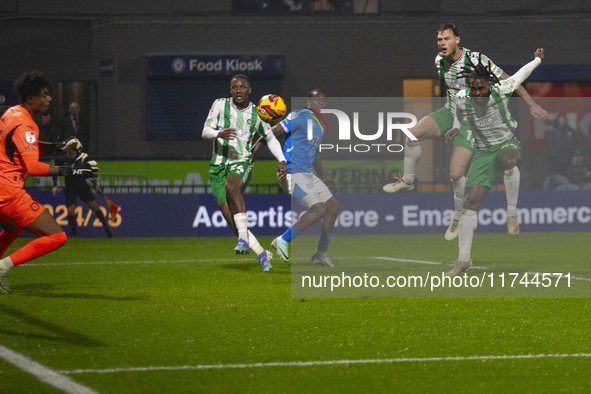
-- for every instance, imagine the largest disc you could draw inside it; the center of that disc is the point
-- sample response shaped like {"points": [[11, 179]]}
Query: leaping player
{"points": [[450, 63], [484, 109]]}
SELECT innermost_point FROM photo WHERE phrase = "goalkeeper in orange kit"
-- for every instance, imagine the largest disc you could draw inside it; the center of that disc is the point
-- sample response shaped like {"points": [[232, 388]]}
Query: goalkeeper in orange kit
{"points": [[19, 157]]}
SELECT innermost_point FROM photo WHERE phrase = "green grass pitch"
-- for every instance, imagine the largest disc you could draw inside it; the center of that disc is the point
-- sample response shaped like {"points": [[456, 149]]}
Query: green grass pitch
{"points": [[185, 315]]}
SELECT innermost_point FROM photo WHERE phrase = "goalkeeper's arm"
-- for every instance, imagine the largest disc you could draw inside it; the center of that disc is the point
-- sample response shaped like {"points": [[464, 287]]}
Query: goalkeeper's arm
{"points": [[88, 169], [84, 169], [68, 145], [80, 167]]}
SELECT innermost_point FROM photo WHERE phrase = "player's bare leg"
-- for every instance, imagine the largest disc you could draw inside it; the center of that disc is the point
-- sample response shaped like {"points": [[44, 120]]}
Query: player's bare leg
{"points": [[314, 214], [426, 129], [460, 158], [225, 210]]}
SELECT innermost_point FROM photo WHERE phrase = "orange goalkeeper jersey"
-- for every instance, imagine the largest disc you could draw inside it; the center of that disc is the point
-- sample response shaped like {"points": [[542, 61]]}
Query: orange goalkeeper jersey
{"points": [[19, 151]]}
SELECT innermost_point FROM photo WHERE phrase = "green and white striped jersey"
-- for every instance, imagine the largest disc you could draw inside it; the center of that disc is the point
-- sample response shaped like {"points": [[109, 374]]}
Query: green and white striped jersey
{"points": [[491, 124], [448, 77], [224, 114]]}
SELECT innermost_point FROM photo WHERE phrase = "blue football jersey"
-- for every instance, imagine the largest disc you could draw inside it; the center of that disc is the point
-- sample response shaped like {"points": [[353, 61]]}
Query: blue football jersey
{"points": [[304, 130]]}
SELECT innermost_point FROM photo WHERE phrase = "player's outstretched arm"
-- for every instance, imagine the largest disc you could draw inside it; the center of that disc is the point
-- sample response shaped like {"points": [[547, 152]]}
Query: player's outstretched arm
{"points": [[277, 131], [535, 110], [83, 168], [277, 151], [274, 147], [67, 145], [520, 76]]}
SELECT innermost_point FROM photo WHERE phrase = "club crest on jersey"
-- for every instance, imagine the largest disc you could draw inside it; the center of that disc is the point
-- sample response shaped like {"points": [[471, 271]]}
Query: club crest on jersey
{"points": [[249, 122], [30, 137]]}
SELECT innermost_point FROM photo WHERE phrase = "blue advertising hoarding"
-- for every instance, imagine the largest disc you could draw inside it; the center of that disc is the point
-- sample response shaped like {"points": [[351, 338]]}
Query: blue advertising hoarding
{"points": [[208, 65], [186, 215]]}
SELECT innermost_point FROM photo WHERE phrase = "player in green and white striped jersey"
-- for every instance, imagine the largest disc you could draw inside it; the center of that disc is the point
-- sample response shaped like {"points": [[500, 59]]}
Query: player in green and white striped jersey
{"points": [[233, 123], [450, 62], [225, 114], [453, 78], [484, 108]]}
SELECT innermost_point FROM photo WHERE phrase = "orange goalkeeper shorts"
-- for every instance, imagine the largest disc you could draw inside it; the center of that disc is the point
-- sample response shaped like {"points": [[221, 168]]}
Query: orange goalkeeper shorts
{"points": [[18, 207]]}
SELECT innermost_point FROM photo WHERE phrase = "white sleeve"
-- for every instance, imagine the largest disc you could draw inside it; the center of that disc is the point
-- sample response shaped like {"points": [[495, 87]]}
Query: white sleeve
{"points": [[525, 71], [209, 133], [456, 110], [275, 147], [210, 129]]}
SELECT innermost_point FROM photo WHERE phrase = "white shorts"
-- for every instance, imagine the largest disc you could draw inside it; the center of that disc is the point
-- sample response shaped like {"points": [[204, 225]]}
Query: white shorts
{"points": [[308, 189]]}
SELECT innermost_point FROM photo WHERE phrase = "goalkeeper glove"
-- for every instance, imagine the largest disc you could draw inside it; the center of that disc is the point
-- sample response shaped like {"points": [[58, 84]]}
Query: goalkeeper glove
{"points": [[69, 145], [81, 157], [87, 169]]}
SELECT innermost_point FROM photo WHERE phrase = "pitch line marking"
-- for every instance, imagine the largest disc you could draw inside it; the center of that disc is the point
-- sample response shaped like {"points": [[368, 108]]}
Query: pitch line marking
{"points": [[43, 373], [131, 262], [474, 267], [405, 260], [328, 362], [243, 259]]}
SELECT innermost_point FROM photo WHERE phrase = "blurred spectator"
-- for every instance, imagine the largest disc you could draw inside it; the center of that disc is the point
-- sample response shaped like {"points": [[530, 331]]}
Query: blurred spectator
{"points": [[579, 172], [72, 125], [48, 131], [47, 127], [556, 182], [328, 5], [292, 5], [561, 144]]}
